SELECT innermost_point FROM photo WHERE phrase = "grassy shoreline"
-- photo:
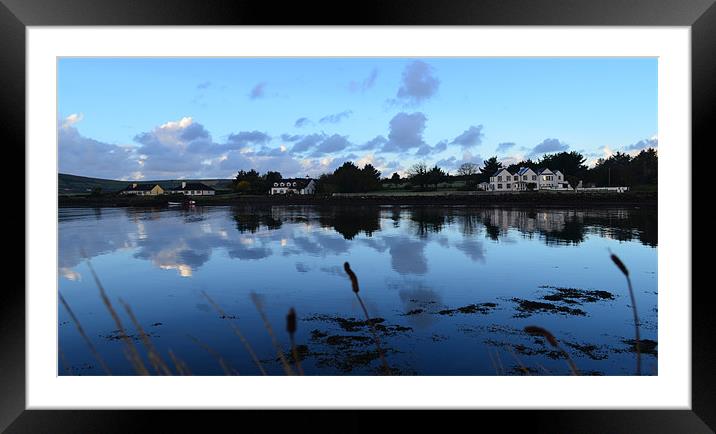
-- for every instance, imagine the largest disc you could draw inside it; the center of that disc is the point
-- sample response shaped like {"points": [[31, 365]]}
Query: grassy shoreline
{"points": [[442, 198]]}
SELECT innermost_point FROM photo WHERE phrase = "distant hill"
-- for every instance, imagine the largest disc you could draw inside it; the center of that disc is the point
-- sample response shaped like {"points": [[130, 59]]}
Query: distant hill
{"points": [[74, 184]]}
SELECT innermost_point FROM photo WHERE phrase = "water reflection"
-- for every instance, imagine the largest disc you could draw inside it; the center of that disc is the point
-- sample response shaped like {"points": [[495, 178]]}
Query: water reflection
{"points": [[183, 240], [447, 281]]}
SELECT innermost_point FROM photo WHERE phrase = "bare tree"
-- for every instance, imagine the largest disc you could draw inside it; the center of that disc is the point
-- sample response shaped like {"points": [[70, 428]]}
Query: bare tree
{"points": [[468, 169]]}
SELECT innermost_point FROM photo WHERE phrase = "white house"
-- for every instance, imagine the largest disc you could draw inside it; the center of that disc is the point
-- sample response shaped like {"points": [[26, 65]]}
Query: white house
{"points": [[528, 179], [294, 186], [193, 189], [501, 180]]}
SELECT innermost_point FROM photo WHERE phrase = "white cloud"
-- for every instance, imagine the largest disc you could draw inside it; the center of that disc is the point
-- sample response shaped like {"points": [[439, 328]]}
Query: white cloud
{"points": [[72, 119]]}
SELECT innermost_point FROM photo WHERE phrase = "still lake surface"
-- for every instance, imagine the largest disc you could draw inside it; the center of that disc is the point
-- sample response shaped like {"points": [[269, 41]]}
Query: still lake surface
{"points": [[453, 287]]}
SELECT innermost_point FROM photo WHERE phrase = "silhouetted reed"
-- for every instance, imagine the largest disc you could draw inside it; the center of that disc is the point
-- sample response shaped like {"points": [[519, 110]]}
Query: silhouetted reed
{"points": [[228, 370], [92, 348], [180, 366], [539, 331], [160, 367], [131, 350], [286, 366], [291, 329], [618, 262], [356, 290], [237, 332]]}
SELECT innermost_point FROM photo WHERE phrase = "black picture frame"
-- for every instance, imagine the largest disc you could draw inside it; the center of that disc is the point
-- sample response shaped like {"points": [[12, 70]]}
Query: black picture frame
{"points": [[16, 15]]}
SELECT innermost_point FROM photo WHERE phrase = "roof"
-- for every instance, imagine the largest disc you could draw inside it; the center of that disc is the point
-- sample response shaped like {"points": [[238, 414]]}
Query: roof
{"points": [[541, 171], [300, 182], [523, 170], [140, 187], [500, 170], [192, 186]]}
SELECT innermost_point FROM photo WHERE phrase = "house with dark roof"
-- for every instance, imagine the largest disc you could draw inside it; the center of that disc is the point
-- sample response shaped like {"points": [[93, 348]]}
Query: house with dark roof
{"points": [[142, 189], [526, 178], [193, 189], [294, 186]]}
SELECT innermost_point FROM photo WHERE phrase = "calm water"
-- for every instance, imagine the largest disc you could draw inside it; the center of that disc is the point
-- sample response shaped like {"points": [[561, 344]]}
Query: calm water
{"points": [[454, 286]]}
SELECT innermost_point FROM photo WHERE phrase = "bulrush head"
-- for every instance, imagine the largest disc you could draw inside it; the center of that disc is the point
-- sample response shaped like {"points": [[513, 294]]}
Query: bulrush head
{"points": [[291, 321], [352, 275], [539, 331], [620, 264]]}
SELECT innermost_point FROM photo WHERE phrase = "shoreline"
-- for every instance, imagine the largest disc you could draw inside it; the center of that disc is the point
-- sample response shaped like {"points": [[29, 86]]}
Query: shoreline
{"points": [[569, 199]]}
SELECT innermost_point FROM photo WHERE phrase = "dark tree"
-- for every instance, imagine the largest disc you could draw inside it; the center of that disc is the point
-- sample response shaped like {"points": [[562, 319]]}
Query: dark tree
{"points": [[370, 178], [489, 167], [252, 177], [569, 163], [418, 174], [350, 179], [435, 176]]}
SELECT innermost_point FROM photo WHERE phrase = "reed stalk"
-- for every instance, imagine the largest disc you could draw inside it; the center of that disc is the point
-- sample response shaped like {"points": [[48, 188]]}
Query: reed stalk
{"points": [[539, 331], [228, 370], [291, 328], [160, 367], [180, 366], [286, 366], [356, 290], [237, 332], [618, 262], [132, 352], [87, 340]]}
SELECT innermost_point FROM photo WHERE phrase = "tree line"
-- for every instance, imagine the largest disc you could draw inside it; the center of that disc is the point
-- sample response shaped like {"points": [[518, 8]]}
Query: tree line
{"points": [[619, 169]]}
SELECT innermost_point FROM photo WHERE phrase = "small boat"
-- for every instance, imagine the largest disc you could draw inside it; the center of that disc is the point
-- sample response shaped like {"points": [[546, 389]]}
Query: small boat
{"points": [[174, 203]]}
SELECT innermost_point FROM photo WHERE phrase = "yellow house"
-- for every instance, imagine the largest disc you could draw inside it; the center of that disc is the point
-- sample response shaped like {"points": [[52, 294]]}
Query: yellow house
{"points": [[143, 189]]}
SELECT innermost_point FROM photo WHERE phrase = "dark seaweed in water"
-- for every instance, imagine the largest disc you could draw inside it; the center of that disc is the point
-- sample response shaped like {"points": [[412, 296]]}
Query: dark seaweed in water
{"points": [[646, 346], [354, 325], [589, 350], [471, 308], [528, 307], [116, 335], [576, 296], [354, 348], [301, 351], [414, 312], [523, 370], [527, 350]]}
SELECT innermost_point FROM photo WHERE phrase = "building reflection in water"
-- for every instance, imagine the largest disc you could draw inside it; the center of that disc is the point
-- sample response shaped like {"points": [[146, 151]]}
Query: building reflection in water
{"points": [[184, 240]]}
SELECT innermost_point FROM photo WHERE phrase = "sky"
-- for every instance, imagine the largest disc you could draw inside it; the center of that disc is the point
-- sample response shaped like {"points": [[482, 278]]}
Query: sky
{"points": [[194, 118]]}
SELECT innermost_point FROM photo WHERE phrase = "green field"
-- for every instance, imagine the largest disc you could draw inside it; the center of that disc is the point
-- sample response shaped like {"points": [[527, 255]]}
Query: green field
{"points": [[74, 185]]}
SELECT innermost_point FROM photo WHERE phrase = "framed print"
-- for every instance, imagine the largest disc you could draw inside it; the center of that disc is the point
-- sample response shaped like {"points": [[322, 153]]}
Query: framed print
{"points": [[407, 207]]}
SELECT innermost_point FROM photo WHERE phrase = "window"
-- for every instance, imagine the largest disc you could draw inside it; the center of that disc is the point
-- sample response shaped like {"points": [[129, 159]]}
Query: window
{"points": [[524, 177], [534, 177], [499, 186], [509, 186], [515, 178], [275, 184], [499, 178]]}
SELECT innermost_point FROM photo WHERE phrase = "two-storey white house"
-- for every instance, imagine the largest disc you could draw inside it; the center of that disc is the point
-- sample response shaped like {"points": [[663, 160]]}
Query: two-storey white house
{"points": [[501, 180], [526, 178], [294, 186]]}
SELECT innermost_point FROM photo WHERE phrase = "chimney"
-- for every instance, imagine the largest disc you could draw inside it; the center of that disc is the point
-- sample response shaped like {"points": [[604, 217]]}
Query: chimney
{"points": [[183, 184]]}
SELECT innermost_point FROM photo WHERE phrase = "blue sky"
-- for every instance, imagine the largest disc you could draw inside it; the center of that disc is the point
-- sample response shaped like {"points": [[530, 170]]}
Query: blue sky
{"points": [[152, 118]]}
